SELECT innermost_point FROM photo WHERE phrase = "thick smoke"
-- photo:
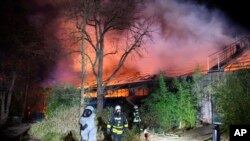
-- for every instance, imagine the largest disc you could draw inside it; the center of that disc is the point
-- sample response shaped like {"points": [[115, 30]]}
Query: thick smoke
{"points": [[49, 17], [185, 34]]}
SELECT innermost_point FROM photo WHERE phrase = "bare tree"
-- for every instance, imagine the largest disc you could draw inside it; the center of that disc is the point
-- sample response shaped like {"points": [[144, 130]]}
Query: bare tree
{"points": [[95, 19]]}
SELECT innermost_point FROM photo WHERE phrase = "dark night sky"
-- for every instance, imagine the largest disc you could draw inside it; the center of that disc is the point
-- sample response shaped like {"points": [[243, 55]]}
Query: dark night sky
{"points": [[237, 10]]}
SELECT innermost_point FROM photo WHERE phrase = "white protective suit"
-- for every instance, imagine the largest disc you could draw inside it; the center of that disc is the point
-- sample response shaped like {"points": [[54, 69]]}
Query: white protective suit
{"points": [[87, 121]]}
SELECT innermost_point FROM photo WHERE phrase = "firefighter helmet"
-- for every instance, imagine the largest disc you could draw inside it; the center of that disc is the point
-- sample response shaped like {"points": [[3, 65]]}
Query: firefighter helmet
{"points": [[135, 107], [118, 108]]}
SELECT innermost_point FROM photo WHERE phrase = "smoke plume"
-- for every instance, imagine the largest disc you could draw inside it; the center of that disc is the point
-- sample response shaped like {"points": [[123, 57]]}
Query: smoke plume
{"points": [[185, 33]]}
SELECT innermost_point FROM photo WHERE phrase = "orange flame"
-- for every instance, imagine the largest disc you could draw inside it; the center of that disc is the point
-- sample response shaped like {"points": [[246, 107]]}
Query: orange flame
{"points": [[120, 93]]}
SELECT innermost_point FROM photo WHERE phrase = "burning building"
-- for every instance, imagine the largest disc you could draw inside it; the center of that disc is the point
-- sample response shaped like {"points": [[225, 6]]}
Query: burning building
{"points": [[187, 34], [232, 57], [140, 88]]}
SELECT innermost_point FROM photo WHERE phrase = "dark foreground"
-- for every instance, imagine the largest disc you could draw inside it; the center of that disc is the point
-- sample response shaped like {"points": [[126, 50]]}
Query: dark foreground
{"points": [[18, 132]]}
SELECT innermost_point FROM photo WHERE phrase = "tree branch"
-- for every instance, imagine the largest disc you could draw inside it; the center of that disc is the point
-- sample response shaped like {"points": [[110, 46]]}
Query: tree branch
{"points": [[135, 45], [92, 64], [110, 53]]}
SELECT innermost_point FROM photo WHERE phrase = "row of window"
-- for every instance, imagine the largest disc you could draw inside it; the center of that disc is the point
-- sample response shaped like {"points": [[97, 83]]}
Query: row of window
{"points": [[121, 93]]}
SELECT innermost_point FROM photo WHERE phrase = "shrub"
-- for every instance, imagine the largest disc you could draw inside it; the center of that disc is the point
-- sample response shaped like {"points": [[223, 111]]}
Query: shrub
{"points": [[52, 136], [159, 108], [63, 116], [165, 110], [232, 98], [132, 135], [60, 124], [61, 97], [186, 110]]}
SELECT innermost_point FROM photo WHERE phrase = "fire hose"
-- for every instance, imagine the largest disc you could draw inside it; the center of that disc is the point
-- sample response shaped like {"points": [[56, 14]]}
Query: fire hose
{"points": [[129, 100]]}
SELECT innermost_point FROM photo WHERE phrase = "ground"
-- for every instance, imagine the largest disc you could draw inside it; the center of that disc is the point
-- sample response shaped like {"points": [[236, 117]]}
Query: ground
{"points": [[203, 133], [198, 134]]}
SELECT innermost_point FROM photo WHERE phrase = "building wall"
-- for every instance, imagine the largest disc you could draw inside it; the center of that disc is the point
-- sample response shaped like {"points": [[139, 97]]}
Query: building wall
{"points": [[208, 112]]}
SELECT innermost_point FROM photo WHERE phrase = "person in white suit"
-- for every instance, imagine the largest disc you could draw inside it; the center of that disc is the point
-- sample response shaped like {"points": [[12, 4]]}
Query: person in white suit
{"points": [[88, 126]]}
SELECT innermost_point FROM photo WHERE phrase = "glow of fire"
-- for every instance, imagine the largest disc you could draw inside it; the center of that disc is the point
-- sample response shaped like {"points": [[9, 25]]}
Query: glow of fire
{"points": [[188, 34], [119, 93], [241, 62]]}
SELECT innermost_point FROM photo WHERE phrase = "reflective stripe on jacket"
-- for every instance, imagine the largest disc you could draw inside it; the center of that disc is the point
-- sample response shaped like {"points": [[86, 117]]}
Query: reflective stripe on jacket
{"points": [[117, 124], [136, 116]]}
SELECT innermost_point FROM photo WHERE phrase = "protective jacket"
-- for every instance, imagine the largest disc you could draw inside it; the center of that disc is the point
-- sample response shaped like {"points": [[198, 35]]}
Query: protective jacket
{"points": [[88, 126], [118, 124], [136, 115]]}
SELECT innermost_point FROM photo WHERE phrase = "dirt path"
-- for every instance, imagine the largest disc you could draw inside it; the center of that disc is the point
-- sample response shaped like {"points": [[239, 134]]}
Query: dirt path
{"points": [[175, 138], [199, 134], [156, 137]]}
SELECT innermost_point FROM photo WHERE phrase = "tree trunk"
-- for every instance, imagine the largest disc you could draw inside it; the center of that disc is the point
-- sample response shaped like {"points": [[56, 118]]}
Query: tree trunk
{"points": [[82, 103], [100, 94], [6, 106], [3, 95], [25, 101], [100, 89], [10, 93], [100, 99]]}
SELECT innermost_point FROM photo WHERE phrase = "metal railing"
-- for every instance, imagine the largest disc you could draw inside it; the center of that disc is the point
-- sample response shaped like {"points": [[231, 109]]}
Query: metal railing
{"points": [[217, 60]]}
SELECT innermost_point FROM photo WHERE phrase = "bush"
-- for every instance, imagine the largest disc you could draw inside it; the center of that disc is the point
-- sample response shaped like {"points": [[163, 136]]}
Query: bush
{"points": [[186, 110], [232, 98], [159, 108], [62, 97], [132, 135], [165, 110], [60, 124], [52, 136], [63, 116]]}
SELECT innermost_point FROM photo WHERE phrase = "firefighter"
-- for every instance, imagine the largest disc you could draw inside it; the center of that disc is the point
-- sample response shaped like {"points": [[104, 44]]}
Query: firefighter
{"points": [[137, 119], [88, 126], [118, 124]]}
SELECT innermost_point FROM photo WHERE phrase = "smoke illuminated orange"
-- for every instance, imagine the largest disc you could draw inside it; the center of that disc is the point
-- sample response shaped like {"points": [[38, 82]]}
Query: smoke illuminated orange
{"points": [[181, 42]]}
